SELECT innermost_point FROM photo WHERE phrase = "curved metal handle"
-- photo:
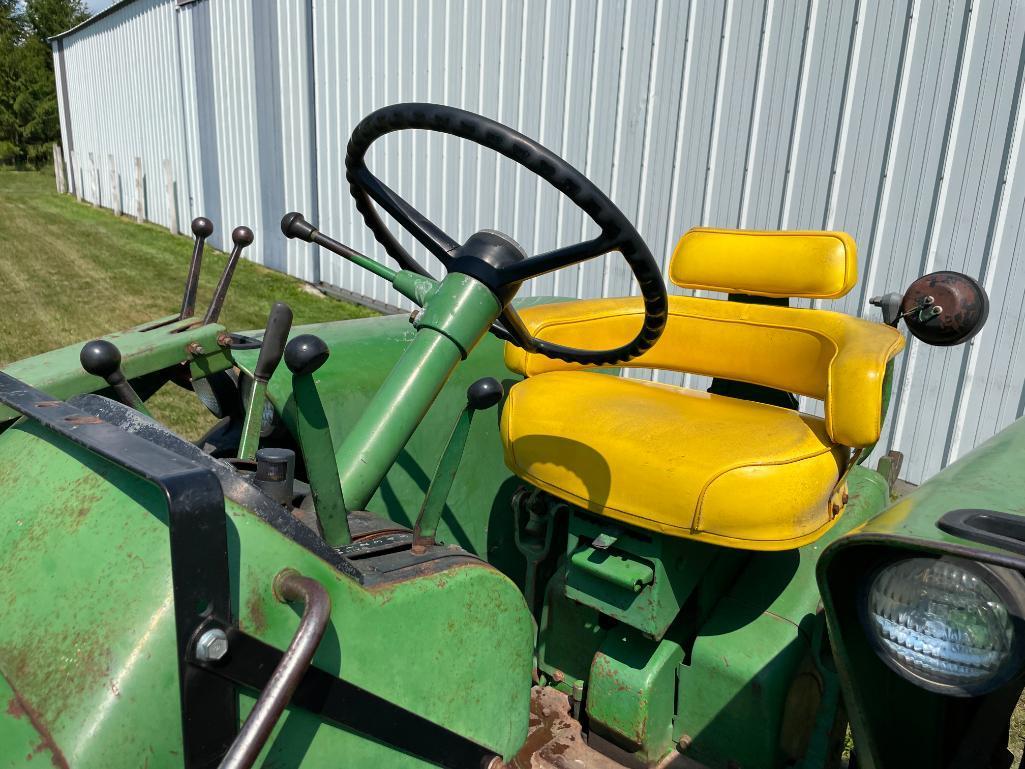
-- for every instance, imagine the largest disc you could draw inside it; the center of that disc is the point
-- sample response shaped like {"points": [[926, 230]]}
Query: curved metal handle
{"points": [[289, 586]]}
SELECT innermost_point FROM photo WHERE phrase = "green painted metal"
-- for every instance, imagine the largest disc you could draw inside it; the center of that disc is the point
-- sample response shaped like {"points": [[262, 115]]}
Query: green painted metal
{"points": [[363, 352], [621, 570], [750, 652], [144, 349], [569, 635], [21, 741], [640, 580], [253, 420], [895, 723], [412, 285], [631, 695], [319, 455], [427, 521], [415, 287], [456, 317], [88, 633]]}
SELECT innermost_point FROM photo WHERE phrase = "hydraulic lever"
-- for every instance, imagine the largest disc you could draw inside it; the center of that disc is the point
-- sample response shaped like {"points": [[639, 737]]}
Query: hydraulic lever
{"points": [[303, 356], [411, 285], [481, 395], [202, 228], [241, 237], [279, 323], [102, 358]]}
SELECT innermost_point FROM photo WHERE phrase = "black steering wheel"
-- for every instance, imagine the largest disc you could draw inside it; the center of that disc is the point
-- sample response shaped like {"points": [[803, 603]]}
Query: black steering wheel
{"points": [[616, 231]]}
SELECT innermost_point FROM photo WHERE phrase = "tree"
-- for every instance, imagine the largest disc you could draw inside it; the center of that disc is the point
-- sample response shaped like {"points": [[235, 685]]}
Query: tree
{"points": [[47, 18], [28, 96]]}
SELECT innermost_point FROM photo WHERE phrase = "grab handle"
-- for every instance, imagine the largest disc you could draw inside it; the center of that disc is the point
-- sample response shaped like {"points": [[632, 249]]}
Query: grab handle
{"points": [[289, 586]]}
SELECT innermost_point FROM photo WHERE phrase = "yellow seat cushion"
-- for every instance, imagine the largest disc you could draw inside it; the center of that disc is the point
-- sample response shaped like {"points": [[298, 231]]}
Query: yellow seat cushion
{"points": [[675, 460], [829, 356]]}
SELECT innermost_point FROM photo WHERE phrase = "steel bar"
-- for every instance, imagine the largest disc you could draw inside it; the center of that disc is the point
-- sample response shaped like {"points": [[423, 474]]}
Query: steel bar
{"points": [[289, 586]]}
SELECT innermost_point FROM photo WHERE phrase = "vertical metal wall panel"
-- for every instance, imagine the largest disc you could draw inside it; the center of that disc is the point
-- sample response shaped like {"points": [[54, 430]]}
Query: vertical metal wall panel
{"points": [[124, 101], [901, 123]]}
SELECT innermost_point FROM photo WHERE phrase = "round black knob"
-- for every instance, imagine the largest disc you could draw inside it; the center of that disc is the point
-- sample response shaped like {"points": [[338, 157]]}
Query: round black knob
{"points": [[305, 354], [100, 358], [484, 393], [242, 236], [294, 225], [202, 227]]}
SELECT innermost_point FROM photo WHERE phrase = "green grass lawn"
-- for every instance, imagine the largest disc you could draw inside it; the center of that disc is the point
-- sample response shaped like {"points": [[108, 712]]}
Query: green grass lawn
{"points": [[70, 272]]}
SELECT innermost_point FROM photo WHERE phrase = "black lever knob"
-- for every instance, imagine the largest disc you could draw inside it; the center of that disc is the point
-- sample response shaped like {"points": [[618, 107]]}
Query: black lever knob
{"points": [[202, 228], [305, 354], [294, 225], [484, 393], [241, 237], [279, 323], [102, 358]]}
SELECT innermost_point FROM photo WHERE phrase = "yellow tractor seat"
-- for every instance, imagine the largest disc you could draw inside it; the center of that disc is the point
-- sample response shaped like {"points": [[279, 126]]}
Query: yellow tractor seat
{"points": [[687, 463]]}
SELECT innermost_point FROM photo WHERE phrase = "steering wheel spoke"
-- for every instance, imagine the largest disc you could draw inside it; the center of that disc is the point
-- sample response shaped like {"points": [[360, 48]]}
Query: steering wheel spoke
{"points": [[511, 328], [426, 232], [558, 258]]}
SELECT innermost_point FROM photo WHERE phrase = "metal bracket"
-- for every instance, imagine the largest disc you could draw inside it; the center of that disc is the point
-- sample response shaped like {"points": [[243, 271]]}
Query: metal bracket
{"points": [[251, 663]]}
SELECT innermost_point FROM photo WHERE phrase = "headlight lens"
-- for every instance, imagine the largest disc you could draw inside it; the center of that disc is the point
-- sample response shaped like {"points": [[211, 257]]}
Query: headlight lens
{"points": [[942, 623]]}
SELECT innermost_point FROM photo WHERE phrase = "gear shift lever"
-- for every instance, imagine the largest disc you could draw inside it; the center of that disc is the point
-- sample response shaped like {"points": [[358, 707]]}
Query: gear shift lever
{"points": [[102, 358], [241, 237], [303, 356], [279, 323], [202, 228]]}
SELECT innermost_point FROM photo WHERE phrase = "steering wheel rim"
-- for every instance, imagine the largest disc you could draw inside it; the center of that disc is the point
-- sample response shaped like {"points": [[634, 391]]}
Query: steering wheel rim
{"points": [[617, 233]]}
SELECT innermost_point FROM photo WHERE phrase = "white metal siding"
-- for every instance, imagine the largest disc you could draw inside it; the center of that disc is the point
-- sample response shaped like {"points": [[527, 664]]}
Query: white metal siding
{"points": [[899, 122]]}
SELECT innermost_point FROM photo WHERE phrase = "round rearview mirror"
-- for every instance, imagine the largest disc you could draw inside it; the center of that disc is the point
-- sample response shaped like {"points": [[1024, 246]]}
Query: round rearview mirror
{"points": [[945, 308]]}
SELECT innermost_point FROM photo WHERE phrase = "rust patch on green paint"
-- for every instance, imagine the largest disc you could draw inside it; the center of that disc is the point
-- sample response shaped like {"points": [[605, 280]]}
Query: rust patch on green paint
{"points": [[254, 606], [17, 707]]}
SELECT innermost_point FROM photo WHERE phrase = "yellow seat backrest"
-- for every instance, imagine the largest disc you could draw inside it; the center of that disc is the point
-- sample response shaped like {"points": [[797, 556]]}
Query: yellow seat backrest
{"points": [[813, 265], [829, 356]]}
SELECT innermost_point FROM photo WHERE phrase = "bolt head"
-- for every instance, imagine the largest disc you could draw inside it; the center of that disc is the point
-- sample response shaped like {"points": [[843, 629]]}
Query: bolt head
{"points": [[212, 646]]}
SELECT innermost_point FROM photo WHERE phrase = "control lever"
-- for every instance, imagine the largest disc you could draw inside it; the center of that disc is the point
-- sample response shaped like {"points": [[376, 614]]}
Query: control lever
{"points": [[279, 323], [241, 237], [481, 395], [303, 356], [202, 228], [102, 358]]}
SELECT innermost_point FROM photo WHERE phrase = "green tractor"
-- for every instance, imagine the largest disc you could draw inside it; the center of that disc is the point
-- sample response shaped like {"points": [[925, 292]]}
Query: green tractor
{"points": [[458, 539]]}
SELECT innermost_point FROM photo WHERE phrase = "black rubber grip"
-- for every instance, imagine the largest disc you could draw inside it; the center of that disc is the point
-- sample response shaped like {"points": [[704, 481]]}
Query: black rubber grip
{"points": [[279, 323]]}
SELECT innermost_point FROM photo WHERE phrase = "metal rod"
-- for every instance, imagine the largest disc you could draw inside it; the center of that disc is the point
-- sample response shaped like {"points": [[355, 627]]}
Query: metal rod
{"points": [[202, 228], [241, 237], [289, 586]]}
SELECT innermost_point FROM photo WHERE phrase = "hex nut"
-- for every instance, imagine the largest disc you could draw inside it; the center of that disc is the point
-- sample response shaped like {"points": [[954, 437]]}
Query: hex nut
{"points": [[212, 646]]}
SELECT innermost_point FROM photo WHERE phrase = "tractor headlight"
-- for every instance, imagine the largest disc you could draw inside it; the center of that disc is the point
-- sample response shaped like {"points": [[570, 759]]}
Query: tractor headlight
{"points": [[946, 624]]}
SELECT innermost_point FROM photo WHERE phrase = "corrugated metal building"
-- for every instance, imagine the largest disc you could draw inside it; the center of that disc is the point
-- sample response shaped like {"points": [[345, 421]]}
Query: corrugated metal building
{"points": [[899, 122]]}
